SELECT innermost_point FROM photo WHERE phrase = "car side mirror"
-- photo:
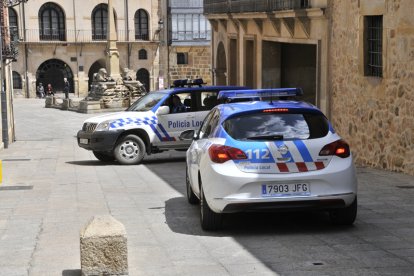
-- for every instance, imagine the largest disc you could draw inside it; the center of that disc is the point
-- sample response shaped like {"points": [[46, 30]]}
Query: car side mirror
{"points": [[163, 110], [187, 135]]}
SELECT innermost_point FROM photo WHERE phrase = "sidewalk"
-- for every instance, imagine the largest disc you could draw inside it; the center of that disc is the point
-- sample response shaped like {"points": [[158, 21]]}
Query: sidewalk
{"points": [[51, 188]]}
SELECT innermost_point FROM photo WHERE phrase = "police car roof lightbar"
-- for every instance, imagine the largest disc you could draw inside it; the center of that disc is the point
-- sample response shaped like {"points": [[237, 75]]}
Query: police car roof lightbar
{"points": [[262, 93], [188, 82]]}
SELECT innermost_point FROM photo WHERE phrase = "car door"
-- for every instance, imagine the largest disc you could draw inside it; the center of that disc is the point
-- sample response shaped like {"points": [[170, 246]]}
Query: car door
{"points": [[171, 125], [200, 146]]}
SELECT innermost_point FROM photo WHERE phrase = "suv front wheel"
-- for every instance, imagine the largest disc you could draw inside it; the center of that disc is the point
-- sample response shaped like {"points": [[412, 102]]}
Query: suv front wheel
{"points": [[129, 150]]}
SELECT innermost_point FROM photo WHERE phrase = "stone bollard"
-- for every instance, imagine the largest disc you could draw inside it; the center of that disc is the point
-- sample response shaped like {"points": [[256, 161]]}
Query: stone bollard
{"points": [[103, 247], [48, 101], [66, 104]]}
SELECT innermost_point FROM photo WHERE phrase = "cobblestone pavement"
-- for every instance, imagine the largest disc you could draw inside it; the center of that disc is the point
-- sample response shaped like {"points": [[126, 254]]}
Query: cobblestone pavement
{"points": [[51, 187]]}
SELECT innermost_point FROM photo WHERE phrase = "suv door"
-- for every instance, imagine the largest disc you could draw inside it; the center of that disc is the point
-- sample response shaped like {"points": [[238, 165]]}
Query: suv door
{"points": [[206, 100], [174, 123]]}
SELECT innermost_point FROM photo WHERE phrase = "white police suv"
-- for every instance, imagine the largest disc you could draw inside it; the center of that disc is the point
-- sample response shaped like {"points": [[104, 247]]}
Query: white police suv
{"points": [[152, 124], [275, 153]]}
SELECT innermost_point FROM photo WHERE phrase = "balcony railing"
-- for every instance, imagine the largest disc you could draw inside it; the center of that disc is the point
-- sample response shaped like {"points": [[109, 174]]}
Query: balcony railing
{"points": [[178, 36], [240, 6], [81, 36]]}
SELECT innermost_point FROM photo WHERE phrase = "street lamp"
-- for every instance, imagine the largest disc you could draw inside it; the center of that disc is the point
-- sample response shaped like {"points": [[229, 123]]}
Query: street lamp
{"points": [[160, 25]]}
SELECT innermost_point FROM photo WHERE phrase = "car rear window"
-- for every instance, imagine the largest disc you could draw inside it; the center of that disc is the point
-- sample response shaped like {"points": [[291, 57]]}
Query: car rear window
{"points": [[277, 126]]}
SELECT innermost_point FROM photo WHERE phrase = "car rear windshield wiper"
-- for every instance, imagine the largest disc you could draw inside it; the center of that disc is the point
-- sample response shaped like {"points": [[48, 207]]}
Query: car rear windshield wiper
{"points": [[266, 137]]}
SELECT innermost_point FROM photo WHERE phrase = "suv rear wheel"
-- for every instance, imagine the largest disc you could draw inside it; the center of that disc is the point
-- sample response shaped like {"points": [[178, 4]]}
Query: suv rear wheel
{"points": [[129, 150]]}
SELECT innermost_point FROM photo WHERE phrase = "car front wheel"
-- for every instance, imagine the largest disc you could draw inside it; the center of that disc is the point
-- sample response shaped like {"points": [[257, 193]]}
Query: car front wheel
{"points": [[129, 150], [104, 156], [345, 216], [191, 197], [210, 220]]}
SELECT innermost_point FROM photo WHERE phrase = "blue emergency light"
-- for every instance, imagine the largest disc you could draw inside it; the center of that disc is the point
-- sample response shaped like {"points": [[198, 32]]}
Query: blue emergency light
{"points": [[258, 94]]}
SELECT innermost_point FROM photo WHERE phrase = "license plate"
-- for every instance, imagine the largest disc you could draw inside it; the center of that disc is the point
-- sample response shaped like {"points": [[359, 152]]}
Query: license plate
{"points": [[83, 141], [285, 190]]}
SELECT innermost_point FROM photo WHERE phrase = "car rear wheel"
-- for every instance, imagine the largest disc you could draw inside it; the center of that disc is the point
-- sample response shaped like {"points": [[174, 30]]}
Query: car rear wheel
{"points": [[104, 156], [191, 197], [345, 216], [210, 220], [129, 150]]}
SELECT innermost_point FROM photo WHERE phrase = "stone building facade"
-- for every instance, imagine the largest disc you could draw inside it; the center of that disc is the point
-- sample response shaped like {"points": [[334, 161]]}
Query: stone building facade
{"points": [[375, 114], [353, 58], [68, 39]]}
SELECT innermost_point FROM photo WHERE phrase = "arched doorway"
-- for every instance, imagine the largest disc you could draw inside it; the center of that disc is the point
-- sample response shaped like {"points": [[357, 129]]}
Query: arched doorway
{"points": [[144, 77], [221, 65], [94, 69], [53, 71]]}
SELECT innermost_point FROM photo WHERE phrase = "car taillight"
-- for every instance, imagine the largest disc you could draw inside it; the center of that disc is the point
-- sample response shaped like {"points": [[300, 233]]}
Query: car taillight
{"points": [[221, 154], [339, 148]]}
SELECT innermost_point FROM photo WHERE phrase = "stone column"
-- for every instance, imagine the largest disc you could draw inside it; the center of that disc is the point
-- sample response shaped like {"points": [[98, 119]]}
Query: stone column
{"points": [[112, 60]]}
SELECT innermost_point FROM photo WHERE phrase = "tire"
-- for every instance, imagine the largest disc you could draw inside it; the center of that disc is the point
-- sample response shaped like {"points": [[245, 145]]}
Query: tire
{"points": [[210, 221], [129, 150], [345, 216], [104, 156], [191, 197]]}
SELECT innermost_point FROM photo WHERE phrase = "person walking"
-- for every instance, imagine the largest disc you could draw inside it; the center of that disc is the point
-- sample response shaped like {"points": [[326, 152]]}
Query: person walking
{"points": [[66, 88]]}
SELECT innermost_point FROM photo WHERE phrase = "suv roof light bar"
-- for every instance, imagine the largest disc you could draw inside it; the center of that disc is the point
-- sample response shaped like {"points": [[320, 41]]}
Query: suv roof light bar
{"points": [[260, 93], [188, 82]]}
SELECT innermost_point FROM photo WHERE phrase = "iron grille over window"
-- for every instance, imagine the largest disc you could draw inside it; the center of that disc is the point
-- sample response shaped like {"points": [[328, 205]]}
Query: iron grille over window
{"points": [[141, 25], [182, 58], [142, 54], [52, 22], [100, 22], [373, 47]]}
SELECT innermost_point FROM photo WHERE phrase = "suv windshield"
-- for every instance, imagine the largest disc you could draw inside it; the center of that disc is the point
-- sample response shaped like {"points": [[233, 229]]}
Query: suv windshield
{"points": [[277, 126], [146, 102]]}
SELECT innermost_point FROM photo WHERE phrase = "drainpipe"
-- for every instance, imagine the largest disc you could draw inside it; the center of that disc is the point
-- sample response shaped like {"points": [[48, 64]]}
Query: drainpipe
{"points": [[26, 54], [4, 123], [127, 34]]}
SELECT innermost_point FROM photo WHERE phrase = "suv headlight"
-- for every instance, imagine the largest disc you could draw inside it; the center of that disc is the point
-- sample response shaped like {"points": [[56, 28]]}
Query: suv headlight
{"points": [[103, 126]]}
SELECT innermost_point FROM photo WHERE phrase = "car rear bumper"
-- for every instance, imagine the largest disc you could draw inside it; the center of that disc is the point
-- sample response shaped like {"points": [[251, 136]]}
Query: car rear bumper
{"points": [[227, 189], [98, 140]]}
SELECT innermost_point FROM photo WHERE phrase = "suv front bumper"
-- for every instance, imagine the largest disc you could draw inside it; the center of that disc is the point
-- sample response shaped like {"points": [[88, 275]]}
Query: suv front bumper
{"points": [[98, 140]]}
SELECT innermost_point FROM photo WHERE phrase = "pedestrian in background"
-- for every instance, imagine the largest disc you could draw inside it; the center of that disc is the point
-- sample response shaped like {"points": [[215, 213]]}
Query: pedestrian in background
{"points": [[40, 90], [49, 90], [66, 88]]}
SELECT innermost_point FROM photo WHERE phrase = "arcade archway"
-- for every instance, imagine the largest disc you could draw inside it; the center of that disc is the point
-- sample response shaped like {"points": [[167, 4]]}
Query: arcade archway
{"points": [[53, 71], [221, 65]]}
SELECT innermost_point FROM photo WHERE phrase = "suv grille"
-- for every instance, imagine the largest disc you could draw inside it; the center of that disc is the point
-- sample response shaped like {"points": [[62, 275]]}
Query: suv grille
{"points": [[89, 127]]}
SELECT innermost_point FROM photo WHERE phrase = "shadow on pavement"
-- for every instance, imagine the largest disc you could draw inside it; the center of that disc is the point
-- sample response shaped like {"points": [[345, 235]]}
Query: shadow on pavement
{"points": [[92, 163], [71, 272], [184, 218], [163, 160]]}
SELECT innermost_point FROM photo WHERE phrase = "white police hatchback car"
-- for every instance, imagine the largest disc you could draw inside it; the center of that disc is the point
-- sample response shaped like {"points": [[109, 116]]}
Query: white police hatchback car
{"points": [[152, 124], [261, 155]]}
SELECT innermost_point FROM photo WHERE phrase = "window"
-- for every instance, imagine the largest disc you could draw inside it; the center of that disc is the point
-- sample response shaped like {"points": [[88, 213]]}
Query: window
{"points": [[144, 78], [182, 58], [179, 103], [13, 23], [141, 25], [100, 22], [17, 80], [277, 126], [52, 22], [373, 46], [142, 54], [208, 100]]}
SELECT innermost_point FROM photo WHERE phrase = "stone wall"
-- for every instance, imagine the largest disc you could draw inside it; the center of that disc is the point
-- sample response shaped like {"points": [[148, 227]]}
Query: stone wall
{"points": [[199, 63], [375, 115]]}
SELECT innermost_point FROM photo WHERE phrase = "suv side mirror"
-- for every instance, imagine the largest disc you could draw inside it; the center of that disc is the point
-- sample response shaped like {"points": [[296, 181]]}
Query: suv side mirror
{"points": [[188, 135], [163, 110]]}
